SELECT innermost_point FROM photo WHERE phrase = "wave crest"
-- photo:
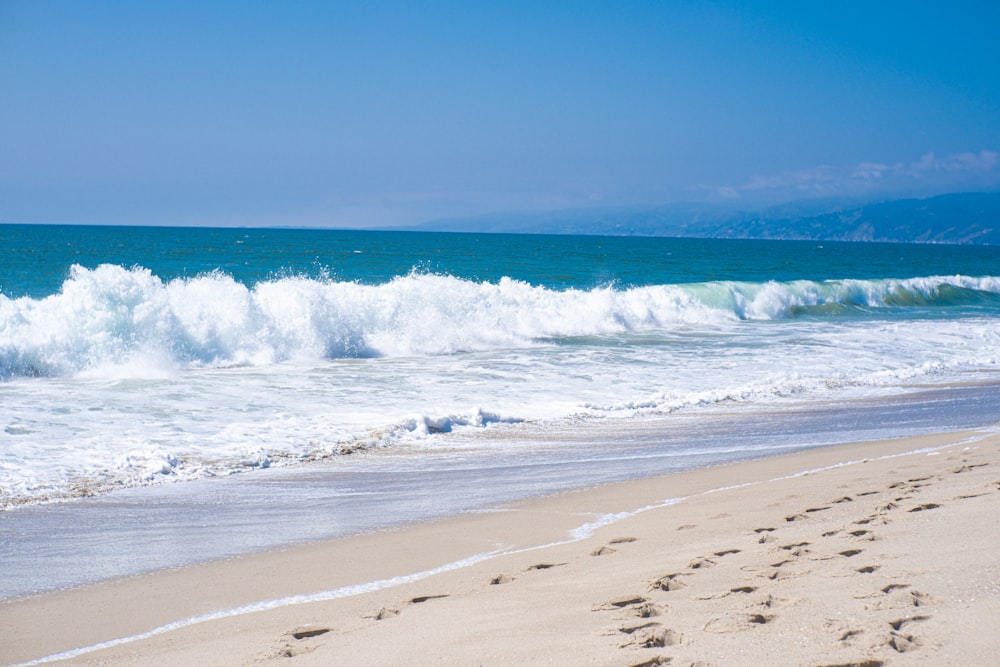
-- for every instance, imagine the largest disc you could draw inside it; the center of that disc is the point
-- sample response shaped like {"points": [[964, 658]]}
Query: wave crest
{"points": [[112, 317]]}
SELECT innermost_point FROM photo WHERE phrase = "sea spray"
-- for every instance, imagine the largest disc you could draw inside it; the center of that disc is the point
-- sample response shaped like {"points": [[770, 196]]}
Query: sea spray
{"points": [[113, 317]]}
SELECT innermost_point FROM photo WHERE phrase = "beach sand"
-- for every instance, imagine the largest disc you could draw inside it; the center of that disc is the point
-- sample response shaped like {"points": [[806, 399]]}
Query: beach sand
{"points": [[885, 553]]}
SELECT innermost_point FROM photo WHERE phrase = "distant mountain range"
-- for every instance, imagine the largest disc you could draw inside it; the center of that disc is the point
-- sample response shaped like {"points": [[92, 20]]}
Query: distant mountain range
{"points": [[972, 218]]}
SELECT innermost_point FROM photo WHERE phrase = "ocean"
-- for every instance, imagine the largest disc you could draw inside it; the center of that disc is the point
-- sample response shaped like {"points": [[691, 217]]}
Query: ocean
{"points": [[155, 382]]}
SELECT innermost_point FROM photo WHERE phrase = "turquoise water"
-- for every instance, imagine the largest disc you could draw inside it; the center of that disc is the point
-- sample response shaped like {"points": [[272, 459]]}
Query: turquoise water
{"points": [[37, 258], [132, 356]]}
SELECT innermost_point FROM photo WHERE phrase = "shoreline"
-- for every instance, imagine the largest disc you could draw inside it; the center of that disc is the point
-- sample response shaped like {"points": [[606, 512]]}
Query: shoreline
{"points": [[132, 531], [581, 575]]}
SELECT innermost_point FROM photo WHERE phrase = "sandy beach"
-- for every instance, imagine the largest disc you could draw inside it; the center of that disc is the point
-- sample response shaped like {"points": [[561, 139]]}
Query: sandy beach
{"points": [[869, 554]]}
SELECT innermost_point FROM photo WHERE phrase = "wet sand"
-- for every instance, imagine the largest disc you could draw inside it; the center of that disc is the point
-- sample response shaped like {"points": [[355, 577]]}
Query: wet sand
{"points": [[870, 554]]}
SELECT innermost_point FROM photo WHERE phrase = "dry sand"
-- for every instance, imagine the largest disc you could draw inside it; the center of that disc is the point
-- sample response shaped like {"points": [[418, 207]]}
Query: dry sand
{"points": [[891, 558]]}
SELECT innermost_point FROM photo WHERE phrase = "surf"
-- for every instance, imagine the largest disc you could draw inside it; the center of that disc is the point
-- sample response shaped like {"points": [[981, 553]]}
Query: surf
{"points": [[117, 321]]}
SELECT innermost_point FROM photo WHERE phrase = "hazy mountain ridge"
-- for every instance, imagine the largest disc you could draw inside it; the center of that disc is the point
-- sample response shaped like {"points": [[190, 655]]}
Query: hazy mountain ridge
{"points": [[967, 218]]}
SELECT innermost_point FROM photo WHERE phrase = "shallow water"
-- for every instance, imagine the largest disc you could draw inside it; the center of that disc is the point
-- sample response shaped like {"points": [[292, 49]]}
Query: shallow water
{"points": [[45, 547]]}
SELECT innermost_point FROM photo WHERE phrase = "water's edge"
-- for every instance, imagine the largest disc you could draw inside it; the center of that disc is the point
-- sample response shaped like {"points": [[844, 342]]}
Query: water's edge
{"points": [[57, 546]]}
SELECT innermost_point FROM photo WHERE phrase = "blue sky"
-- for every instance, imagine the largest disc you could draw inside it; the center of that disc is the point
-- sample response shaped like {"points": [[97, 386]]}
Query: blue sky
{"points": [[388, 113]]}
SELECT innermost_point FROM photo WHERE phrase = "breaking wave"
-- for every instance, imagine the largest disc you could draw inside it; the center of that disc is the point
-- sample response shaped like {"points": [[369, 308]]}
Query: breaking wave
{"points": [[116, 317]]}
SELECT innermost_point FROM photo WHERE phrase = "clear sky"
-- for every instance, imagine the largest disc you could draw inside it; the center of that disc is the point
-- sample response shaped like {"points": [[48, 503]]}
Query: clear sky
{"points": [[352, 114]]}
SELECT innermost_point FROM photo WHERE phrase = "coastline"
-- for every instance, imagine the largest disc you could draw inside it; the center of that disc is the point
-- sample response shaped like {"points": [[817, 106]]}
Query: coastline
{"points": [[762, 560]]}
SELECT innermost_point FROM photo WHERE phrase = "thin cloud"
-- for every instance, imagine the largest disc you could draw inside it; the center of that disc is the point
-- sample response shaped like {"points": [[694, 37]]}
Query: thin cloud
{"points": [[983, 161], [802, 180], [929, 174], [869, 171]]}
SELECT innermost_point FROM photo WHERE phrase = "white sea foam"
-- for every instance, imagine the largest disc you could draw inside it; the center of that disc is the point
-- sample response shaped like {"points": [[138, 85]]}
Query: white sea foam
{"points": [[123, 379], [115, 322]]}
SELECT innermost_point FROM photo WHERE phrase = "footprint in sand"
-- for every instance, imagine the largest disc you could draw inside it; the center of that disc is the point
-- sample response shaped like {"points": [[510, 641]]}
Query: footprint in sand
{"points": [[916, 598], [925, 506], [743, 589], [894, 587], [726, 552], [621, 603], [630, 630], [765, 534], [306, 633], [389, 612], [648, 610], [424, 598], [780, 571], [902, 643], [701, 563], [669, 582], [650, 635], [731, 624], [770, 602], [968, 467], [759, 613], [760, 619], [295, 644], [849, 635], [898, 624], [636, 605], [501, 579], [544, 566], [605, 550]]}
